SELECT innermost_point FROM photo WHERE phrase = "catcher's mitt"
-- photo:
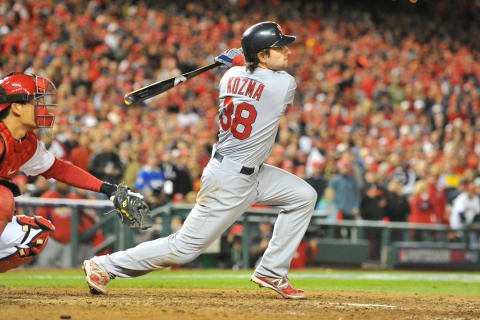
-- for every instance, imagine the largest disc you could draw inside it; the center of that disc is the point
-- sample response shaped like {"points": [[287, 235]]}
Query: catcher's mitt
{"points": [[132, 210]]}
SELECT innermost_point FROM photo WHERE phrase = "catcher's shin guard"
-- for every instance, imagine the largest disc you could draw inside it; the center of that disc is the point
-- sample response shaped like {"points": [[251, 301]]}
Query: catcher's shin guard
{"points": [[34, 245]]}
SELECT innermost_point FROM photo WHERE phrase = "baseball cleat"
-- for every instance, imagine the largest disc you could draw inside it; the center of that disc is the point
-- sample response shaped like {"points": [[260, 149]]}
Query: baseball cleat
{"points": [[281, 286], [97, 279]]}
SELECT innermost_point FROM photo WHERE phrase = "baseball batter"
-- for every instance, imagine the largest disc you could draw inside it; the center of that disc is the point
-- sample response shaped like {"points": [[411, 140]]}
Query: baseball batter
{"points": [[252, 100]]}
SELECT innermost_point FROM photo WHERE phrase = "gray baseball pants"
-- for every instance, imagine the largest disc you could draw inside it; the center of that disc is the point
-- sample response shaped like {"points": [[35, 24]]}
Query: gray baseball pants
{"points": [[225, 194]]}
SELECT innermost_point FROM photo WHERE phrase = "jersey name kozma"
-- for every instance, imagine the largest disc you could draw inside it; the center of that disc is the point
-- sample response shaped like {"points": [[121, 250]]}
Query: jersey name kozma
{"points": [[245, 87]]}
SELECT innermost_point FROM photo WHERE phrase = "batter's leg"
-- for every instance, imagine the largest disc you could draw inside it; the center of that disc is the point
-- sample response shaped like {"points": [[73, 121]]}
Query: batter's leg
{"points": [[296, 200], [224, 196]]}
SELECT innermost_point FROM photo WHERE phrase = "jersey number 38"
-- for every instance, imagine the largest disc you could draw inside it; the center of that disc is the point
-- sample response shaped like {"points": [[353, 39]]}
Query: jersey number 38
{"points": [[241, 124]]}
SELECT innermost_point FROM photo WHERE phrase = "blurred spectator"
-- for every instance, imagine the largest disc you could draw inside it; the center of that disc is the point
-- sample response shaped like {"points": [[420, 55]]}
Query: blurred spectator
{"points": [[106, 164], [306, 253], [234, 241], [421, 206], [397, 209], [68, 140], [259, 242], [317, 180], [436, 192], [347, 195], [81, 154], [453, 182], [327, 207], [21, 181], [183, 180], [132, 164], [55, 146], [406, 177], [170, 172], [150, 180], [372, 207], [466, 211], [347, 192], [41, 186]]}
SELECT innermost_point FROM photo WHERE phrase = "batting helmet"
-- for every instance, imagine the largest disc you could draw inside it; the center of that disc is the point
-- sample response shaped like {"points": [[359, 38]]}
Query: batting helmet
{"points": [[263, 35], [24, 87]]}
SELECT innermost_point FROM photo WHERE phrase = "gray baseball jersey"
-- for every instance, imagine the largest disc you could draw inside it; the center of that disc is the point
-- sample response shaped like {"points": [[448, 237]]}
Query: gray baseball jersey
{"points": [[251, 105], [258, 100]]}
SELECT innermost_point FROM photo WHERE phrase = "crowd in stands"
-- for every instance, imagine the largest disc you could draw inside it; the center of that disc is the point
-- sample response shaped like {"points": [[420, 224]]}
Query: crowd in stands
{"points": [[386, 118]]}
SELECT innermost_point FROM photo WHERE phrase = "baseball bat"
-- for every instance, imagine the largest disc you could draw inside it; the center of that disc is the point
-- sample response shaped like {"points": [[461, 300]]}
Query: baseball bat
{"points": [[156, 88]]}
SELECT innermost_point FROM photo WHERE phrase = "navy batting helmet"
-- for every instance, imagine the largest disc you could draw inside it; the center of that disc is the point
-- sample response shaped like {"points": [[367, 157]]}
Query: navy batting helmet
{"points": [[263, 35]]}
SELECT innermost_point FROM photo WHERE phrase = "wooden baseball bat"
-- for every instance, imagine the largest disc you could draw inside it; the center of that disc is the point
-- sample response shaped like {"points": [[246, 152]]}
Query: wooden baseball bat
{"points": [[156, 88]]}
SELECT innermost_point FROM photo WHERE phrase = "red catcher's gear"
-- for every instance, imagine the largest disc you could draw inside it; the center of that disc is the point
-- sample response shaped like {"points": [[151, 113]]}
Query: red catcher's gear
{"points": [[23, 87], [14, 153], [35, 246], [7, 208]]}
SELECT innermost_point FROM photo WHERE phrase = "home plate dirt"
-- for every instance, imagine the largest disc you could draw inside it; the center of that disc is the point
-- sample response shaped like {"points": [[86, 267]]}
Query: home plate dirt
{"points": [[139, 303]]}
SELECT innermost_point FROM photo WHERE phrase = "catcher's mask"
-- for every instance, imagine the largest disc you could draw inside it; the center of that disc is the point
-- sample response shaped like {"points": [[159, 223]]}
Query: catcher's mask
{"points": [[25, 87]]}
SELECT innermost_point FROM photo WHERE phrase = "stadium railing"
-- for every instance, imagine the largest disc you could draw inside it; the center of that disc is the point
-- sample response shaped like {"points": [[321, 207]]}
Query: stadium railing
{"points": [[433, 249]]}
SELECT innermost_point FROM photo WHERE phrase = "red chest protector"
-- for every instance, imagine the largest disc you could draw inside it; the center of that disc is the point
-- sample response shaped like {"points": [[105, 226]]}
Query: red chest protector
{"points": [[15, 153]]}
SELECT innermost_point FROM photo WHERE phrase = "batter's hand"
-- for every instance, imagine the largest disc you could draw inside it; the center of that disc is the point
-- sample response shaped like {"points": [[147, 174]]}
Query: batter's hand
{"points": [[227, 56]]}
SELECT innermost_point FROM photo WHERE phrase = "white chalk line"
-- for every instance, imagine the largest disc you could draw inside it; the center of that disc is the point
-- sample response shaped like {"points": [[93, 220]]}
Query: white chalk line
{"points": [[363, 305]]}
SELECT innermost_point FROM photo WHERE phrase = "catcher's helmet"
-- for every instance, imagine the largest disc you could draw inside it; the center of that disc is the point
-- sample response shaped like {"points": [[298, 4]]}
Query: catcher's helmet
{"points": [[24, 87], [263, 35]]}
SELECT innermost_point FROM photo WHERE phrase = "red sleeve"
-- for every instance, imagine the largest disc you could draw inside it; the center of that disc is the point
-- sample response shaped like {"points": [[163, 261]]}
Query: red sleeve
{"points": [[70, 174]]}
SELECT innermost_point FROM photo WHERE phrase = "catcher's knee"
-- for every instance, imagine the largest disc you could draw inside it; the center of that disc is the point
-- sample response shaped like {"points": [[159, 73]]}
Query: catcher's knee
{"points": [[36, 222], [7, 207], [36, 233]]}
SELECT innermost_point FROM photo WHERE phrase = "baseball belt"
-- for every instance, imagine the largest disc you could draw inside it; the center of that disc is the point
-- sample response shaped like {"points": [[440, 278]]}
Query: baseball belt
{"points": [[245, 170]]}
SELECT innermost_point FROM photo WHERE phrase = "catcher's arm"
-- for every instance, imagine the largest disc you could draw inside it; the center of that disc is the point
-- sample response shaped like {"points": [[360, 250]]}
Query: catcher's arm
{"points": [[130, 206], [134, 214]]}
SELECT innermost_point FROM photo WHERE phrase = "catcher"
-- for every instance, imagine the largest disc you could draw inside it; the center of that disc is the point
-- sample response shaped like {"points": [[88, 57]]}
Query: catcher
{"points": [[26, 103]]}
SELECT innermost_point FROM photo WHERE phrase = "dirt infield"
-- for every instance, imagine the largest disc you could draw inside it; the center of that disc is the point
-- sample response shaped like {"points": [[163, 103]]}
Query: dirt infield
{"points": [[50, 303]]}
